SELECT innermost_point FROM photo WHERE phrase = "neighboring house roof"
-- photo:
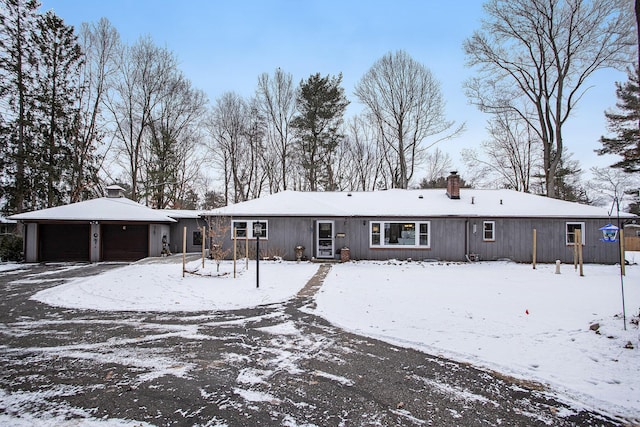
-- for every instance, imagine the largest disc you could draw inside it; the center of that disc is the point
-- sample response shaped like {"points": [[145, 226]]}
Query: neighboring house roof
{"points": [[4, 220], [412, 203], [181, 213], [102, 209]]}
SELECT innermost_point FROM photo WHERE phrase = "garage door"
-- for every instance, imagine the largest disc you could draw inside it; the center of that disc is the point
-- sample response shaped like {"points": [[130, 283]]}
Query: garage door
{"points": [[63, 242], [125, 242]]}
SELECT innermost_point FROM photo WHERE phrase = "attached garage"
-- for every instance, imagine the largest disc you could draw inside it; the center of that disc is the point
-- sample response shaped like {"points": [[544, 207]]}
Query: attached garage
{"points": [[111, 228], [64, 242], [124, 242]]}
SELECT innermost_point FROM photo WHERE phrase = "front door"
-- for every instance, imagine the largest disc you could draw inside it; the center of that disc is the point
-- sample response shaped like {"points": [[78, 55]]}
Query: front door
{"points": [[324, 239]]}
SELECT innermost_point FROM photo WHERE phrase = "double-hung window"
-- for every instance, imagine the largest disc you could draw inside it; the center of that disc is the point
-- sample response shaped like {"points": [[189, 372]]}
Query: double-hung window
{"points": [[244, 228], [489, 231], [398, 234], [571, 228]]}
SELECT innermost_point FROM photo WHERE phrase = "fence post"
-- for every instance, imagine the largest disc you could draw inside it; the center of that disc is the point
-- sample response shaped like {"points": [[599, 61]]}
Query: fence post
{"points": [[579, 243], [202, 240], [535, 245], [184, 250]]}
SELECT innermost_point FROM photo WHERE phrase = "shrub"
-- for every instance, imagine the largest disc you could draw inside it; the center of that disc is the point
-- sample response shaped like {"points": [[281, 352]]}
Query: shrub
{"points": [[10, 248]]}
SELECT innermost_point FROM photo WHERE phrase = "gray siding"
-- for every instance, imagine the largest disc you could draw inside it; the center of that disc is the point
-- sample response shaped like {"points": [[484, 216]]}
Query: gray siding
{"points": [[284, 234], [31, 242], [96, 243], [156, 231], [452, 239], [514, 240], [176, 232]]}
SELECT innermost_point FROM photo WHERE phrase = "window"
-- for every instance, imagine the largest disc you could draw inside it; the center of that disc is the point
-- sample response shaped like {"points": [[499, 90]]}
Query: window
{"points": [[245, 228], [197, 238], [240, 227], [571, 229], [399, 234], [489, 231], [375, 233]]}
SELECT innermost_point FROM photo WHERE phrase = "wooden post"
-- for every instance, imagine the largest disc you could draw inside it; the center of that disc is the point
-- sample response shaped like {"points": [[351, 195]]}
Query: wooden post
{"points": [[575, 250], [622, 265], [534, 247], [579, 242], [235, 239], [184, 250], [204, 229], [246, 252]]}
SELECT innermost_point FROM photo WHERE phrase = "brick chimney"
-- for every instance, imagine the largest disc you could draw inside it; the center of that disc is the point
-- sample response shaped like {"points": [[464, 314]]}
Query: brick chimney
{"points": [[453, 185]]}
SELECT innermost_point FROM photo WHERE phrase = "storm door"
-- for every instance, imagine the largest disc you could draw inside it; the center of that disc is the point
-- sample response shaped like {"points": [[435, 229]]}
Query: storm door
{"points": [[324, 239]]}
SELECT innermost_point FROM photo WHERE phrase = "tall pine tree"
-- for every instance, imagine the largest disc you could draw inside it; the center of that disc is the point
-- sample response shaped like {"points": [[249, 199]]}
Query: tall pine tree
{"points": [[321, 104], [17, 19], [624, 124], [59, 60]]}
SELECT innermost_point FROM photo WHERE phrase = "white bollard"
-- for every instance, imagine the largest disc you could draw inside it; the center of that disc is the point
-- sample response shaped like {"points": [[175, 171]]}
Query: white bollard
{"points": [[557, 266]]}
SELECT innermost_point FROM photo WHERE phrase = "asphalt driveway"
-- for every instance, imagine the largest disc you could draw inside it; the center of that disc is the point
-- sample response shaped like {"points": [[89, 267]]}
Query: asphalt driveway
{"points": [[272, 365]]}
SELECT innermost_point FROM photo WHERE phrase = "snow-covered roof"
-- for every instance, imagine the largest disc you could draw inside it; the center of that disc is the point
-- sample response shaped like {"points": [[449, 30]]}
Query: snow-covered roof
{"points": [[411, 203], [102, 209], [181, 213], [4, 220]]}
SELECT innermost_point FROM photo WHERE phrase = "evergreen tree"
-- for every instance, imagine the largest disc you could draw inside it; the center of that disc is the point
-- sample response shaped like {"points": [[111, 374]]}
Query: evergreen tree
{"points": [[17, 19], [440, 182], [59, 60], [321, 104], [625, 125]]}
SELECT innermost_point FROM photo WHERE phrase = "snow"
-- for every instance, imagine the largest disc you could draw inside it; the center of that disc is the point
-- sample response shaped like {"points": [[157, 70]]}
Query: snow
{"points": [[411, 203], [9, 266], [101, 209], [56, 413], [500, 316], [161, 287], [507, 317], [181, 213]]}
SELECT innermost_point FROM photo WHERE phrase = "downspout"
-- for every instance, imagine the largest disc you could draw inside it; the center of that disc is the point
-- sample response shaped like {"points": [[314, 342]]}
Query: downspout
{"points": [[466, 240]]}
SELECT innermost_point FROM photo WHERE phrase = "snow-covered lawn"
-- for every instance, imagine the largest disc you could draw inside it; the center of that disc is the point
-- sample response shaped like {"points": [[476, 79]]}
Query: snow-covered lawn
{"points": [[8, 266], [161, 287], [532, 324]]}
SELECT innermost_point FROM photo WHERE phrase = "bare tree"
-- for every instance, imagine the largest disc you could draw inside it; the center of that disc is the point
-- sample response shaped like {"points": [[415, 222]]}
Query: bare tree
{"points": [[144, 73], [408, 107], [171, 140], [536, 55], [364, 160], [276, 100], [508, 159], [610, 183], [218, 231], [100, 43], [236, 133], [438, 164]]}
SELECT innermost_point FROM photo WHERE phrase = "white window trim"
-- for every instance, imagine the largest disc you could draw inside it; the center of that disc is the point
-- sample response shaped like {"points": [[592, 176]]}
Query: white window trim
{"points": [[250, 224], [566, 232], [493, 231], [417, 224]]}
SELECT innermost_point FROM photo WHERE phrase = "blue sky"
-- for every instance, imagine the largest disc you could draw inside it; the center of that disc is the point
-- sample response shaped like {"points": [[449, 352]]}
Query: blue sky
{"points": [[225, 45]]}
